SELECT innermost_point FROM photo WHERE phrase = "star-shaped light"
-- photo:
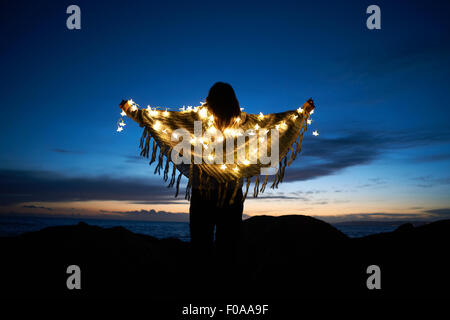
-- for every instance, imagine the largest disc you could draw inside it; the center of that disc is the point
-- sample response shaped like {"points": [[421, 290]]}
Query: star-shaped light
{"points": [[315, 133], [309, 121], [119, 129], [157, 125], [123, 114]]}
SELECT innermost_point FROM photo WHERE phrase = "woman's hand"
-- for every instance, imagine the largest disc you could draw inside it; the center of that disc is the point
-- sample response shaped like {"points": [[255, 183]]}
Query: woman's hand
{"points": [[309, 106], [125, 105]]}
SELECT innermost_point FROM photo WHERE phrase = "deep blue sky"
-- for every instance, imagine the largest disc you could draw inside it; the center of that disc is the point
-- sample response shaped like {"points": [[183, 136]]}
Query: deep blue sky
{"points": [[382, 98]]}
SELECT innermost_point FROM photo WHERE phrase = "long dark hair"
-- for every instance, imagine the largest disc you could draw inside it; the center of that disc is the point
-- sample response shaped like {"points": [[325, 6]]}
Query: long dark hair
{"points": [[223, 104]]}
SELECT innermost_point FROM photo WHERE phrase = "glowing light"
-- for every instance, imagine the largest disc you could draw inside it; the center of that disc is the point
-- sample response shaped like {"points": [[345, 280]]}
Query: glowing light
{"points": [[246, 162], [193, 140], [175, 135], [182, 109], [122, 124], [165, 131], [294, 116], [119, 129], [189, 109], [300, 110], [223, 167], [133, 108], [212, 129], [261, 116], [315, 133], [237, 119], [123, 114], [210, 157], [242, 109], [152, 112], [236, 169], [309, 121], [311, 112], [220, 139], [203, 113], [256, 126], [166, 113], [157, 125]]}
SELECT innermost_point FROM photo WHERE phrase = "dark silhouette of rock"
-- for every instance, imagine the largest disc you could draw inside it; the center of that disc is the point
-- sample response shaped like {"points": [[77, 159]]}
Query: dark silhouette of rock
{"points": [[279, 257], [405, 227]]}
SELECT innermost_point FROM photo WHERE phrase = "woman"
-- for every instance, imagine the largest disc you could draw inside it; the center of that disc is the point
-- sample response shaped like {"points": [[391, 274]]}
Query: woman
{"points": [[205, 211]]}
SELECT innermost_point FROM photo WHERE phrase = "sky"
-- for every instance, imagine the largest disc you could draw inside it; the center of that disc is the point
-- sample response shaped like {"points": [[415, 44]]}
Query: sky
{"points": [[382, 102]]}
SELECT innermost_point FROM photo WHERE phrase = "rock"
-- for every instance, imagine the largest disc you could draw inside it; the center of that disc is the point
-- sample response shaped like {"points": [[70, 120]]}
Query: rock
{"points": [[279, 257]]}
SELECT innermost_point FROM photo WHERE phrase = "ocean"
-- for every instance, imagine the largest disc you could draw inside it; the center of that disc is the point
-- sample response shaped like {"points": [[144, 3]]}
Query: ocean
{"points": [[15, 225]]}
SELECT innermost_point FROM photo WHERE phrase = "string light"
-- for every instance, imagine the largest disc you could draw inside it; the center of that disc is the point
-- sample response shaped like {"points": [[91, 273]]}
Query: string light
{"points": [[223, 167], [157, 125], [203, 113], [236, 169]]}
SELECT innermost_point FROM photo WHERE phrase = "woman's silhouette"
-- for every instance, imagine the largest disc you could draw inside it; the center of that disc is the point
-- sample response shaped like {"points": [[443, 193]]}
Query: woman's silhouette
{"points": [[205, 211]]}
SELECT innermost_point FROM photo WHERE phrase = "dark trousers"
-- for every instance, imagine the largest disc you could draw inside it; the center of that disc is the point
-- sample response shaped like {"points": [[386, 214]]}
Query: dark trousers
{"points": [[205, 214]]}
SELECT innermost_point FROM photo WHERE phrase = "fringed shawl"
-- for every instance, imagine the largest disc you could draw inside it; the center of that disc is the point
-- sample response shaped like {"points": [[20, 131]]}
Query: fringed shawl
{"points": [[159, 135]]}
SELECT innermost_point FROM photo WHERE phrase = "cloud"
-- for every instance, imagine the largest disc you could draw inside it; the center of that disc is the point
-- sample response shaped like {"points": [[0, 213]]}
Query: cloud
{"points": [[36, 207], [439, 212], [17, 186], [151, 215], [57, 150], [424, 215], [430, 181], [327, 156]]}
